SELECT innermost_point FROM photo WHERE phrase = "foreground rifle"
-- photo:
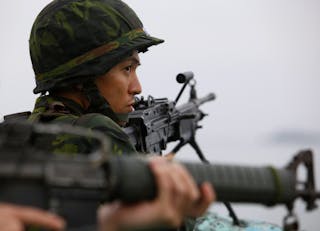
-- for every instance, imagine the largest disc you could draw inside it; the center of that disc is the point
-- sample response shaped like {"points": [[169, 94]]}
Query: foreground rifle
{"points": [[156, 122], [74, 186]]}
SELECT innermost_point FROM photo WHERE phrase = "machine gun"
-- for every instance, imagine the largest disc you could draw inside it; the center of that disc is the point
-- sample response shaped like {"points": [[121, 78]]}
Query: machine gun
{"points": [[155, 122], [73, 186]]}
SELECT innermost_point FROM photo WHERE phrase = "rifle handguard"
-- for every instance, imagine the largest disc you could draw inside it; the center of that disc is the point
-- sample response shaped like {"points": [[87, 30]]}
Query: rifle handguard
{"points": [[133, 181]]}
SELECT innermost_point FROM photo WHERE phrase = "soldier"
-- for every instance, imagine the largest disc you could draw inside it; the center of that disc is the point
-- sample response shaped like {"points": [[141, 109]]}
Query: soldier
{"points": [[85, 54]]}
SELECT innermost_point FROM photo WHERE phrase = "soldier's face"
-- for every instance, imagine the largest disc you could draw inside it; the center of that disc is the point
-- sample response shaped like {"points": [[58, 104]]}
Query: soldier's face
{"points": [[119, 85]]}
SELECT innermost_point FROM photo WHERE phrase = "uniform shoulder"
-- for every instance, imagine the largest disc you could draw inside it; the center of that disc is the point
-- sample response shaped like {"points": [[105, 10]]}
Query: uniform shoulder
{"points": [[96, 120], [119, 139], [102, 123]]}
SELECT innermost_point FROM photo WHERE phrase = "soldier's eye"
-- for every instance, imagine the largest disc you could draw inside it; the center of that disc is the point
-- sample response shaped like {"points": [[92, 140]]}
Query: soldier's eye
{"points": [[128, 68]]}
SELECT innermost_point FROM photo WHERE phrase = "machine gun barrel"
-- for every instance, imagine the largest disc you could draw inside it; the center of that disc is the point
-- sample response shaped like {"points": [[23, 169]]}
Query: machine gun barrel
{"points": [[207, 98]]}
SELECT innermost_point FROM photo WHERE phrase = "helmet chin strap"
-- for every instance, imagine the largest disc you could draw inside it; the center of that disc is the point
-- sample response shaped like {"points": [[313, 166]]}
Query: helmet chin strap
{"points": [[123, 117], [98, 104]]}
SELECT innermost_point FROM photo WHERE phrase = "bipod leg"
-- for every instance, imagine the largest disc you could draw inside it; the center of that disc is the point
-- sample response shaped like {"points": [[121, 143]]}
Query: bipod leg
{"points": [[232, 214], [178, 147], [290, 222], [196, 147]]}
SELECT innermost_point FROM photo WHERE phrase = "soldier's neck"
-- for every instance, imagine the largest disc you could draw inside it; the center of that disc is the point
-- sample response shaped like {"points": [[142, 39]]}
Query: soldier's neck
{"points": [[76, 96]]}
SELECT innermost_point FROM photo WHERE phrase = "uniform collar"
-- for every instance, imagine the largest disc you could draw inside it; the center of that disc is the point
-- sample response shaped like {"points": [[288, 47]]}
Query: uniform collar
{"points": [[59, 104]]}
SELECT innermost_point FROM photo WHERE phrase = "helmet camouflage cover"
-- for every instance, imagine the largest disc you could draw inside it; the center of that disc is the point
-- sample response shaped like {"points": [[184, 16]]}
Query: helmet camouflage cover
{"points": [[72, 41]]}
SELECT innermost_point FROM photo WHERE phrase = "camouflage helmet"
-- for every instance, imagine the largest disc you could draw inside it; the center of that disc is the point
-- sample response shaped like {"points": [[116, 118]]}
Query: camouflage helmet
{"points": [[72, 41]]}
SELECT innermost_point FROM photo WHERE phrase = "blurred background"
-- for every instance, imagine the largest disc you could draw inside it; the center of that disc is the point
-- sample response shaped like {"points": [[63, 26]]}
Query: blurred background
{"points": [[261, 59]]}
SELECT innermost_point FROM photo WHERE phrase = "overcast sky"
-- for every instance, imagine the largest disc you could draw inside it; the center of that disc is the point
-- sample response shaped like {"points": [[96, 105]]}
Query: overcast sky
{"points": [[261, 59]]}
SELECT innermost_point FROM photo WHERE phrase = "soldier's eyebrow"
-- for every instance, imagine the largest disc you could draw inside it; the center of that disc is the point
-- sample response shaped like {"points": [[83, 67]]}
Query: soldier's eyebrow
{"points": [[133, 59]]}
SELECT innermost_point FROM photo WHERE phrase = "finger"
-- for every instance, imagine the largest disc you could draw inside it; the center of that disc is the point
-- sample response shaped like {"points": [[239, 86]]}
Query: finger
{"points": [[10, 223], [37, 217], [190, 185], [162, 173], [189, 192], [105, 217], [183, 191], [159, 211], [159, 167], [189, 195], [168, 185], [207, 197], [180, 195], [170, 156]]}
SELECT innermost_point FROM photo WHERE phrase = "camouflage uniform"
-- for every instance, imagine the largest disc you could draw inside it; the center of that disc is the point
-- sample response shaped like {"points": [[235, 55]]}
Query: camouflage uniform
{"points": [[60, 110]]}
